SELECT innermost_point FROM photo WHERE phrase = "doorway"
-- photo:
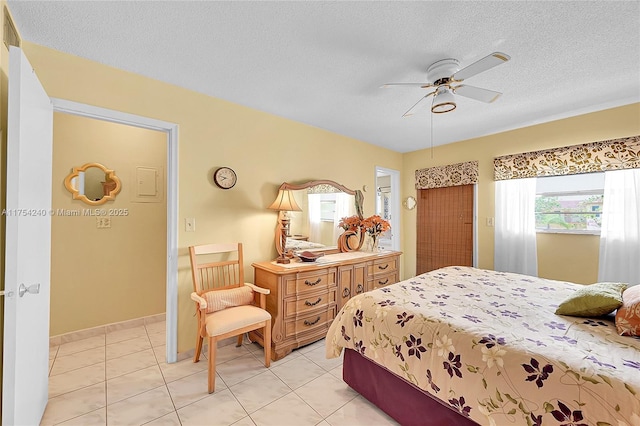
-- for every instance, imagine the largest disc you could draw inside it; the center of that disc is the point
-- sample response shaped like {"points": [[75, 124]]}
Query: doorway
{"points": [[170, 129], [388, 206], [115, 251]]}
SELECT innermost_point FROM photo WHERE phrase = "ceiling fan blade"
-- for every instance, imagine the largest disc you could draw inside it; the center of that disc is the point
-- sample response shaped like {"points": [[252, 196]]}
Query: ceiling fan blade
{"points": [[477, 93], [413, 109], [422, 85], [488, 62]]}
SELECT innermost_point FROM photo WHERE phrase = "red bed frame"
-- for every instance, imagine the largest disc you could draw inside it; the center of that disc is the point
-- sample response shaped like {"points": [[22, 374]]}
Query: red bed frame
{"points": [[406, 403]]}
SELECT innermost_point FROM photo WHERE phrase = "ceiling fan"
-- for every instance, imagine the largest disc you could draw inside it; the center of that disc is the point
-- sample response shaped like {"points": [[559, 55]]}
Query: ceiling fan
{"points": [[445, 75]]}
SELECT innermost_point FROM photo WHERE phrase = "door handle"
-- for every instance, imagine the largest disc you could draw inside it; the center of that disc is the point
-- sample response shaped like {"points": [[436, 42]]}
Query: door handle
{"points": [[33, 289]]}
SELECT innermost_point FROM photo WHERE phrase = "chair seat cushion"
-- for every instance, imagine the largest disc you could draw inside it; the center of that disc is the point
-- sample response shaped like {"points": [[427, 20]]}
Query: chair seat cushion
{"points": [[229, 319]]}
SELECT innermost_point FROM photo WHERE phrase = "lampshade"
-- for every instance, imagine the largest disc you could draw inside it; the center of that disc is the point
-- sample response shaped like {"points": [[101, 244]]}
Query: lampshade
{"points": [[443, 101], [285, 202]]}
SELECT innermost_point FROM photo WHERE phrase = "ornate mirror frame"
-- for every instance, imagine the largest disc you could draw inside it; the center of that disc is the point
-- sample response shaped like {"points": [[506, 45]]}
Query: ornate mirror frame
{"points": [[358, 196], [110, 175], [311, 183]]}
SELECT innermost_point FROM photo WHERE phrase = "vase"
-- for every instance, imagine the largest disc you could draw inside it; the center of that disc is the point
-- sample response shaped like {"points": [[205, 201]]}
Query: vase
{"points": [[372, 244]]}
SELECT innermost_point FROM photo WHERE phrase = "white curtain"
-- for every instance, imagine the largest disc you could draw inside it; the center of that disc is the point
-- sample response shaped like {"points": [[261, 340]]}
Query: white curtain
{"points": [[515, 227], [345, 206], [314, 217], [620, 232]]}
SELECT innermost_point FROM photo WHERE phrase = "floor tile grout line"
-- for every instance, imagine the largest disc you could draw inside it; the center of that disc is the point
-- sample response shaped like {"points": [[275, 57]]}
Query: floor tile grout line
{"points": [[257, 355], [106, 403], [337, 409], [97, 347], [283, 396], [164, 379], [106, 388], [264, 372]]}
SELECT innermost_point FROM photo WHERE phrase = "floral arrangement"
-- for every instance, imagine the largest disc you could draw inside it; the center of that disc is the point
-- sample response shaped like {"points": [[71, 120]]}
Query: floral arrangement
{"points": [[350, 223], [373, 225]]}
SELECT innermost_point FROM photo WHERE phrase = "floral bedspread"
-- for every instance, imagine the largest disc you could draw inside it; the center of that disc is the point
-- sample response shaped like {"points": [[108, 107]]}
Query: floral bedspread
{"points": [[489, 344]]}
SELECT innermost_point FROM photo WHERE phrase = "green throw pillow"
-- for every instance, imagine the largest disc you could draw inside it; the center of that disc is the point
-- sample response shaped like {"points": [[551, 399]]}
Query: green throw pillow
{"points": [[593, 300]]}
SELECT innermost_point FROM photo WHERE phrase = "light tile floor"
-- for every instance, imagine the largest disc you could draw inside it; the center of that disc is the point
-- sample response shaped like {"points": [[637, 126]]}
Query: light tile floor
{"points": [[121, 378]]}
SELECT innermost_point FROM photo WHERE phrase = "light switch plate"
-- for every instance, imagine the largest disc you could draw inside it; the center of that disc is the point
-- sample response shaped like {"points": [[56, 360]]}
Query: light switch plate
{"points": [[190, 224]]}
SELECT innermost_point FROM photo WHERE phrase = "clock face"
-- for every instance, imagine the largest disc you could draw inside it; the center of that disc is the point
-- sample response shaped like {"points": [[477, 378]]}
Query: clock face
{"points": [[225, 177]]}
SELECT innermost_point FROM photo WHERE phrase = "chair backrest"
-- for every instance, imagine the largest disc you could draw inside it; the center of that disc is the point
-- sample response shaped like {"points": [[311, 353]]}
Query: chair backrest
{"points": [[216, 266]]}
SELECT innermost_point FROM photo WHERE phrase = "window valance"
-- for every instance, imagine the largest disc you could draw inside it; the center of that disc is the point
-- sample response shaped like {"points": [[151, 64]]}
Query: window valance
{"points": [[615, 154], [450, 175]]}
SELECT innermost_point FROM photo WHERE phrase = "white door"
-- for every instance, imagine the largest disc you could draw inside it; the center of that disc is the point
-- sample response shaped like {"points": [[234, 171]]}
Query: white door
{"points": [[28, 246]]}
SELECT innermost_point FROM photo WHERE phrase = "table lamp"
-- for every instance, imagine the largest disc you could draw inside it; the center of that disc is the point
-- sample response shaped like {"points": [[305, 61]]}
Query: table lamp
{"points": [[284, 203]]}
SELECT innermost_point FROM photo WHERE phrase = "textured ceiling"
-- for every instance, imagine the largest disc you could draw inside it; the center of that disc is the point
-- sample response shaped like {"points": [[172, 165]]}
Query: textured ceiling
{"points": [[322, 63]]}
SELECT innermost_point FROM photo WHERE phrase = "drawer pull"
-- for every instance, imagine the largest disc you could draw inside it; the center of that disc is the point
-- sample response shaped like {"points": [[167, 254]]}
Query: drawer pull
{"points": [[383, 282], [307, 282], [306, 302], [307, 322], [359, 289], [383, 267], [346, 292]]}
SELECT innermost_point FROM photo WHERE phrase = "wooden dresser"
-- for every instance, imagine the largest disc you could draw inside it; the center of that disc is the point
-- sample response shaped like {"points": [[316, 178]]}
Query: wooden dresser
{"points": [[305, 297]]}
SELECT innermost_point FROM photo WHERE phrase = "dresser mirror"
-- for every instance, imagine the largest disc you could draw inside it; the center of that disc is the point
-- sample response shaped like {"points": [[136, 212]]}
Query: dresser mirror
{"points": [[92, 184], [323, 204]]}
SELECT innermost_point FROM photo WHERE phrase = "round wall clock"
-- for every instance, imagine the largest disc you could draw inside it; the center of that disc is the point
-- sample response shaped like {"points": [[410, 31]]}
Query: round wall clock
{"points": [[225, 177]]}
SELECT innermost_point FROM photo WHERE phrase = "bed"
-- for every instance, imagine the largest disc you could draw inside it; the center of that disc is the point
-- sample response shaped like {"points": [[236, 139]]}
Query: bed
{"points": [[461, 345], [297, 245]]}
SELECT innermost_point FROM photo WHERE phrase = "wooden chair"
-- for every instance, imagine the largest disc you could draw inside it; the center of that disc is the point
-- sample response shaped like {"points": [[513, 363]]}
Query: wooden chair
{"points": [[226, 306]]}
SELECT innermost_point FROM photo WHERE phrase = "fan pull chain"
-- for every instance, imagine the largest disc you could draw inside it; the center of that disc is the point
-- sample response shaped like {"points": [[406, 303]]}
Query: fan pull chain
{"points": [[431, 116]]}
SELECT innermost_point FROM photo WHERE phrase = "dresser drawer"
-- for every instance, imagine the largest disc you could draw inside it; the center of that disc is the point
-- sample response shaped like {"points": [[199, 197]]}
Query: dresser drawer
{"points": [[309, 323], [384, 266], [380, 281], [301, 305], [310, 282]]}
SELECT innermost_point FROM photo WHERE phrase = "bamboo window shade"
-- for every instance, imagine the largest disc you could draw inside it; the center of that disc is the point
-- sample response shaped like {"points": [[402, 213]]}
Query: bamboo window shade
{"points": [[445, 227]]}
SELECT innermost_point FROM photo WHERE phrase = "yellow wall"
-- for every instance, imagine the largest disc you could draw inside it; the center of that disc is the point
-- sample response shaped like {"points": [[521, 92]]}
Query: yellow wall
{"points": [[567, 257], [263, 149], [102, 276], [562, 257]]}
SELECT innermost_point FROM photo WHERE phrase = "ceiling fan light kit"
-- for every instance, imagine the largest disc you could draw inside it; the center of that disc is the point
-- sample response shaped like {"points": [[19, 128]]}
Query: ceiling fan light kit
{"points": [[445, 76], [443, 101]]}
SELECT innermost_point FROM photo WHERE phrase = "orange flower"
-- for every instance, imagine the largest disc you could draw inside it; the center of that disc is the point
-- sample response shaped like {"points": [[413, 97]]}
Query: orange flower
{"points": [[350, 223], [375, 225]]}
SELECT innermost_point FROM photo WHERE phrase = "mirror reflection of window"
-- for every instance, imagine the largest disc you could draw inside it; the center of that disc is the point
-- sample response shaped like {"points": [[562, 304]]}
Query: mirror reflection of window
{"points": [[316, 226], [315, 216], [327, 207], [78, 183], [325, 212]]}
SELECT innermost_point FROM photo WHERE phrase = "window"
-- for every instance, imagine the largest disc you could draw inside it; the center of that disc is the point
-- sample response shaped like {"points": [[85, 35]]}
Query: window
{"points": [[570, 204], [327, 207]]}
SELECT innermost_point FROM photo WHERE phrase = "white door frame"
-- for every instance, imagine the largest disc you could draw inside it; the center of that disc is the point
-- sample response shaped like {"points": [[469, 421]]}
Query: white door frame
{"points": [[171, 129], [395, 203]]}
